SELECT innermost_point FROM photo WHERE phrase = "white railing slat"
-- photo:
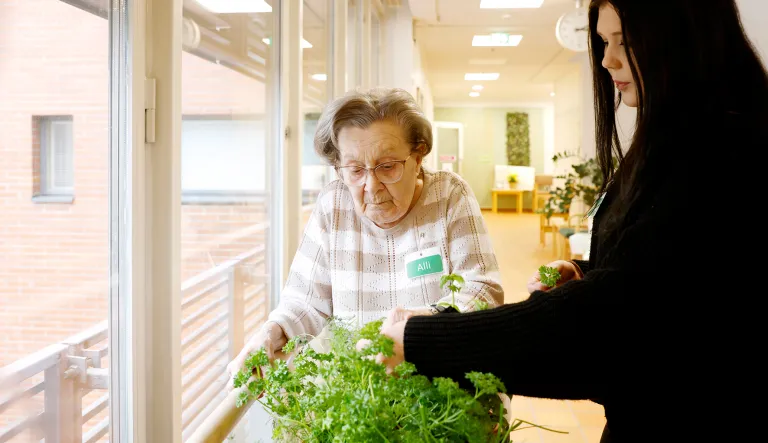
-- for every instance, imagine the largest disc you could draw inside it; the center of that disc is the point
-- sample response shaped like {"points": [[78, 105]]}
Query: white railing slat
{"points": [[202, 311], [207, 326], [95, 407], [31, 422], [200, 369], [20, 394], [253, 291], [97, 431], [203, 292], [189, 395], [201, 401], [20, 370], [205, 346], [218, 270]]}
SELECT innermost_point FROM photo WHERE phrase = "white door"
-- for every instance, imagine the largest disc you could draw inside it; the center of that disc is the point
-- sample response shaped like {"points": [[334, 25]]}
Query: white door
{"points": [[448, 146]]}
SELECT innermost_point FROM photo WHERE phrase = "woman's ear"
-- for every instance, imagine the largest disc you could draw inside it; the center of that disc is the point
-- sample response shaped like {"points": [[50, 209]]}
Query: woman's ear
{"points": [[419, 154]]}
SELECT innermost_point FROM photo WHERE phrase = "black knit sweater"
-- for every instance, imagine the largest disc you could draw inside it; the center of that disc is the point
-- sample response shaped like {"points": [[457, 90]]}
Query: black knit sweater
{"points": [[611, 337]]}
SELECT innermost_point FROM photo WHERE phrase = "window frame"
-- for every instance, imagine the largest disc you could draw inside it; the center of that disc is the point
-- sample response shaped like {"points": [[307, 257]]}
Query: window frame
{"points": [[47, 191]]}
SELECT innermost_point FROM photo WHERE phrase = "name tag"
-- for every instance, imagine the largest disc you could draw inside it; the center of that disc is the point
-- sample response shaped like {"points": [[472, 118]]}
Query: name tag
{"points": [[426, 262]]}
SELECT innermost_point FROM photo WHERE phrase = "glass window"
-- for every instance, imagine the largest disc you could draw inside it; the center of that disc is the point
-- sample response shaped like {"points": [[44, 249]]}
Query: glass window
{"points": [[53, 150], [315, 172], [222, 159], [54, 257], [226, 148], [354, 47], [376, 31]]}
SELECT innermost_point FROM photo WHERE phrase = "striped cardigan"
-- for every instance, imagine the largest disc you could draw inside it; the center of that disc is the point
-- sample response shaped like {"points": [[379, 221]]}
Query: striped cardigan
{"points": [[348, 267]]}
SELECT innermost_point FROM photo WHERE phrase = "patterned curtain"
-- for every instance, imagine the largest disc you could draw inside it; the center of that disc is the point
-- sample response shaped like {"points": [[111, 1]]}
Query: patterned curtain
{"points": [[518, 139]]}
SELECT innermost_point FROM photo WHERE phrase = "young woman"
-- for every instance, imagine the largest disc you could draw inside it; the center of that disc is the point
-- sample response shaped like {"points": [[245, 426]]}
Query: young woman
{"points": [[621, 329]]}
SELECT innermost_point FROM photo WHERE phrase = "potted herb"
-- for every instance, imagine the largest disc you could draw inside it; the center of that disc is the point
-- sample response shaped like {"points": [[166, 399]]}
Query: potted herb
{"points": [[345, 395], [512, 180]]}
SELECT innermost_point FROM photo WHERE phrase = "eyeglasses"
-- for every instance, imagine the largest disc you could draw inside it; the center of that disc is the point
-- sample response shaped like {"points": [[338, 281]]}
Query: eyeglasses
{"points": [[387, 173]]}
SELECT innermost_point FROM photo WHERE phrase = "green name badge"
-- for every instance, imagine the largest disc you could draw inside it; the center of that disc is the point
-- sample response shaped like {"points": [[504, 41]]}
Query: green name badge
{"points": [[426, 262]]}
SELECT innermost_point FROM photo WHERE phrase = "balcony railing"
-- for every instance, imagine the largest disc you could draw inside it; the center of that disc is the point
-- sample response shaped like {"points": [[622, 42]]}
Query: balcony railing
{"points": [[216, 307]]}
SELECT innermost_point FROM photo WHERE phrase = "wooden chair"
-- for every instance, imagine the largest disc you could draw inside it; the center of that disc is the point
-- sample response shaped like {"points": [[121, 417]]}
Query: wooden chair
{"points": [[551, 225], [575, 223], [541, 188]]}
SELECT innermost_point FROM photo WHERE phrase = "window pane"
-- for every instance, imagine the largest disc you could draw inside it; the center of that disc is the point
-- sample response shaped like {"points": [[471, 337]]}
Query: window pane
{"points": [[375, 47], [54, 250], [225, 174], [315, 172]]}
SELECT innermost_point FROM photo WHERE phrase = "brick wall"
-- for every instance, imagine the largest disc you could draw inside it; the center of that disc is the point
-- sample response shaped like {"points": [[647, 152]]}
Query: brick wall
{"points": [[54, 257]]}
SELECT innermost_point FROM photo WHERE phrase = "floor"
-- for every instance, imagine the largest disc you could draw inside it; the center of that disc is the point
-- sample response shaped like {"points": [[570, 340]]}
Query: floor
{"points": [[519, 257]]}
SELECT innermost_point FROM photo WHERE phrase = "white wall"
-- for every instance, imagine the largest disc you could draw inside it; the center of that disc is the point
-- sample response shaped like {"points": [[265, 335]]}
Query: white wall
{"points": [[402, 65], [420, 84], [397, 65], [754, 17], [569, 117]]}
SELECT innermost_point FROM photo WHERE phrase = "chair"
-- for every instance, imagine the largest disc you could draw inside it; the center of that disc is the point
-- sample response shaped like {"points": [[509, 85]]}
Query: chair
{"points": [[571, 228], [551, 225], [541, 188]]}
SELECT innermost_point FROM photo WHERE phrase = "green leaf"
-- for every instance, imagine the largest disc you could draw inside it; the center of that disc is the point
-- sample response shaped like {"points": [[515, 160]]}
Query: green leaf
{"points": [[549, 276], [345, 396]]}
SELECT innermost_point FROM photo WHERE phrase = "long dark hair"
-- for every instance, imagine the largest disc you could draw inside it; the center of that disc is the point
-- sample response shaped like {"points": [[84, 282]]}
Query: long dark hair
{"points": [[694, 69]]}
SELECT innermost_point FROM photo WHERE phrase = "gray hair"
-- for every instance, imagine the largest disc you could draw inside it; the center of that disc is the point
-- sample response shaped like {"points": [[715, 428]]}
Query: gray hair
{"points": [[362, 109]]}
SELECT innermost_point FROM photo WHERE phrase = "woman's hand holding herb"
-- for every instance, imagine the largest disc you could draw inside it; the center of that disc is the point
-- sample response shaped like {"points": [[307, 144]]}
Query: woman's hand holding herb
{"points": [[541, 280], [394, 328], [271, 337]]}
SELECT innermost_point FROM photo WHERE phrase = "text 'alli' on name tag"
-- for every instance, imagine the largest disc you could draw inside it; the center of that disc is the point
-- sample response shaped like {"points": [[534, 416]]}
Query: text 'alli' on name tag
{"points": [[426, 262]]}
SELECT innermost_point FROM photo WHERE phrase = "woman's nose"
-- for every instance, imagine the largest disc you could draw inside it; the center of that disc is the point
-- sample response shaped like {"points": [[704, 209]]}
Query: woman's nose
{"points": [[372, 183], [610, 61]]}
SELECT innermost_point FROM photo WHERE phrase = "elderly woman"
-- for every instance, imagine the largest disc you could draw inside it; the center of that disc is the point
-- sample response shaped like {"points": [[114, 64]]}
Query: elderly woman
{"points": [[384, 233]]}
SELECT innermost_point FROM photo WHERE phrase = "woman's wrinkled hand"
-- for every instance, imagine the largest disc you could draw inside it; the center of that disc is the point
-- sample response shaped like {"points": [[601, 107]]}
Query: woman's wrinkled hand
{"points": [[568, 271], [270, 337]]}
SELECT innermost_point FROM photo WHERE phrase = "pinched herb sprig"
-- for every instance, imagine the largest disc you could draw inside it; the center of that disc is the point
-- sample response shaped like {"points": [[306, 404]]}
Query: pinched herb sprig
{"points": [[549, 276], [454, 282]]}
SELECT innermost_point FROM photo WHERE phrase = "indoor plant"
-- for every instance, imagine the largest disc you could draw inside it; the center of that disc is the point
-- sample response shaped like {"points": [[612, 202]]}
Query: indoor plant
{"points": [[512, 180], [340, 393], [584, 181]]}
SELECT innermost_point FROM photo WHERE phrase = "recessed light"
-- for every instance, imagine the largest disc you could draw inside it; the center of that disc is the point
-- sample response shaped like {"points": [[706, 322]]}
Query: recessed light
{"points": [[235, 6], [551, 94], [304, 44], [506, 16], [477, 87], [320, 77], [487, 61], [496, 39], [481, 76], [474, 94], [510, 4]]}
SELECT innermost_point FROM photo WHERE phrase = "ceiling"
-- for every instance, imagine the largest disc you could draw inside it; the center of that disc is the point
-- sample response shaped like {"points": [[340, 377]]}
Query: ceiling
{"points": [[444, 31]]}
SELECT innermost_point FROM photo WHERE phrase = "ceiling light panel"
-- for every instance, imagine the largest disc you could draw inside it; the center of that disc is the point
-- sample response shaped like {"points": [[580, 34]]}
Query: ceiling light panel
{"points": [[496, 39], [481, 76], [510, 4], [235, 6], [487, 61]]}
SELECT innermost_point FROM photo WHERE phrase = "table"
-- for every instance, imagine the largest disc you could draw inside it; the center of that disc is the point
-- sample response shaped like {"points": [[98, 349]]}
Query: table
{"points": [[516, 192]]}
